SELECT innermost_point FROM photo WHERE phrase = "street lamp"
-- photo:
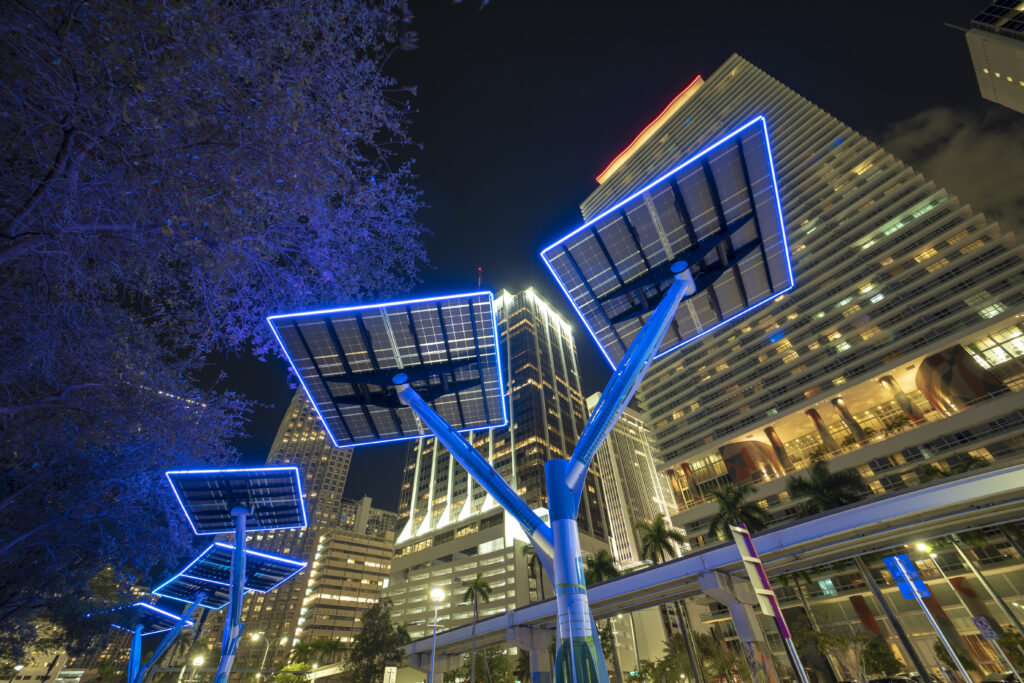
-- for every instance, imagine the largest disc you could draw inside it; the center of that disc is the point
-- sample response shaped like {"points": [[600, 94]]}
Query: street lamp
{"points": [[437, 595], [196, 663], [266, 649]]}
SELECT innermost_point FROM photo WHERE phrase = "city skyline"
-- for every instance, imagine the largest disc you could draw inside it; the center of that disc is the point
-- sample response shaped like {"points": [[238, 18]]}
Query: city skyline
{"points": [[553, 142]]}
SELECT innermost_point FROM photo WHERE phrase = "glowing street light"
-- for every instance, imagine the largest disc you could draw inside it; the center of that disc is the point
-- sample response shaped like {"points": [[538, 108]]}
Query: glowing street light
{"points": [[266, 649], [437, 595]]}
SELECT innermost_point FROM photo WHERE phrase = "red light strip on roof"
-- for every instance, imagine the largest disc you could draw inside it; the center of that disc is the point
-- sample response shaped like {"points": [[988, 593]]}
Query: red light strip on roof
{"points": [[649, 129]]}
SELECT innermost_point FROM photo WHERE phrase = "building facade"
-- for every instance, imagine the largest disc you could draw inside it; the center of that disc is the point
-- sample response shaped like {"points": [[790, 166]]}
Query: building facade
{"points": [[634, 488], [996, 43], [350, 570], [450, 529], [899, 354]]}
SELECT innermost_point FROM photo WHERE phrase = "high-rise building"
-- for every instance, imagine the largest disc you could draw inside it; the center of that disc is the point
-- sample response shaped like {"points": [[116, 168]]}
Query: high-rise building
{"points": [[996, 44], [350, 570], [277, 616], [898, 355], [450, 529], [634, 489]]}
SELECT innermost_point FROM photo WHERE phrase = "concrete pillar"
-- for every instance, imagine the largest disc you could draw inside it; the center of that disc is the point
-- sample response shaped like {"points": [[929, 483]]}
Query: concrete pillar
{"points": [[847, 417], [738, 595], [537, 641], [905, 403], [819, 424], [778, 447]]}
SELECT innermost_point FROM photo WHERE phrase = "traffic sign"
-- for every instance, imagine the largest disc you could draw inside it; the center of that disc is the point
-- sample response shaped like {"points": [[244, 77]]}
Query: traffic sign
{"points": [[909, 581], [985, 628]]}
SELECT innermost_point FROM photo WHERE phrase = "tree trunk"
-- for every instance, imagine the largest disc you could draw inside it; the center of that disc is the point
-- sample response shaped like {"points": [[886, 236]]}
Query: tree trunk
{"points": [[472, 666]]}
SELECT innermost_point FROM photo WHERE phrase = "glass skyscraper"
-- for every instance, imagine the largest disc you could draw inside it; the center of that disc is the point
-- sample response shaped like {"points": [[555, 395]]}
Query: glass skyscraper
{"points": [[450, 530]]}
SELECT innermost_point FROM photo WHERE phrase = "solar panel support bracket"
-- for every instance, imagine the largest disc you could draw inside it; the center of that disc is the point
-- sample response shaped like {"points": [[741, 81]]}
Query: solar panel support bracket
{"points": [[167, 641], [626, 378]]}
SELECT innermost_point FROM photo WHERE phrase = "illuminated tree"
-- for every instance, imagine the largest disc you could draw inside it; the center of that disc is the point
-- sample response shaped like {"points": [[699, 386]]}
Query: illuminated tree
{"points": [[171, 173]]}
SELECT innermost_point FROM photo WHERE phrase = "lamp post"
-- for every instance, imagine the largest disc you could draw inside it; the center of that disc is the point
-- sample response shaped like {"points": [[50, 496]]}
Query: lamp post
{"points": [[196, 663], [266, 650], [437, 595]]}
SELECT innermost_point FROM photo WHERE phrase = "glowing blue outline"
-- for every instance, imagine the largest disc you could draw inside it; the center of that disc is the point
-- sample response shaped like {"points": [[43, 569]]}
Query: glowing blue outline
{"points": [[298, 480], [299, 564], [645, 188], [177, 617], [389, 304]]}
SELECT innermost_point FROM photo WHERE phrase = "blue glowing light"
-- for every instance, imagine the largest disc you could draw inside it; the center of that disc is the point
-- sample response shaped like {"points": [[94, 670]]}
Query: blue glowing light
{"points": [[158, 617], [695, 158], [253, 522], [258, 564], [273, 320]]}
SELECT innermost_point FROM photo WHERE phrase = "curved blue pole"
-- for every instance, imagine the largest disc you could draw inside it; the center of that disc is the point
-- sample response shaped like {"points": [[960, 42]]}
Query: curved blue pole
{"points": [[536, 530]]}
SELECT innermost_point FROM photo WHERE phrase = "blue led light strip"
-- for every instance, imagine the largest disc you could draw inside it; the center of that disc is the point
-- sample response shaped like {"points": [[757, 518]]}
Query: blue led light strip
{"points": [[548, 258]]}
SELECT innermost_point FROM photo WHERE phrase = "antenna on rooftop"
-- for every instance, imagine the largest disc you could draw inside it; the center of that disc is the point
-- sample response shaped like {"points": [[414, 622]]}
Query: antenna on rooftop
{"points": [[479, 277]]}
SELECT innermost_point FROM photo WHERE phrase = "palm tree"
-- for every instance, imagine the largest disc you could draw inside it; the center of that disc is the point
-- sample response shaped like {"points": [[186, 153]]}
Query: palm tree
{"points": [[535, 567], [477, 590], [601, 567], [734, 509], [658, 543], [826, 490], [310, 652]]}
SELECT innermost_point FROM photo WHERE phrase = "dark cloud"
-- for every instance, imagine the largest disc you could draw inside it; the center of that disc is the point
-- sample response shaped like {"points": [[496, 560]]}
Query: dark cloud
{"points": [[978, 157]]}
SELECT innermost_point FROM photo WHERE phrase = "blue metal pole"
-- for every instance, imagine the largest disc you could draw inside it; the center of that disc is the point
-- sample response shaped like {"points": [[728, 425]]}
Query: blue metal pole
{"points": [[233, 621], [135, 654], [168, 639], [626, 378], [536, 530], [577, 652]]}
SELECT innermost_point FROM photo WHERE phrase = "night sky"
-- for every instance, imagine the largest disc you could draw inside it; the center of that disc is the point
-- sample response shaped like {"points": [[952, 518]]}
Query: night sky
{"points": [[521, 103]]}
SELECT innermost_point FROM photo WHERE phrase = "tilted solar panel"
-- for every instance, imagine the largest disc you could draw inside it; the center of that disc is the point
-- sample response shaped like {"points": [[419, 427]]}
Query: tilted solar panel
{"points": [[718, 211], [273, 496], [152, 618], [346, 359], [210, 572]]}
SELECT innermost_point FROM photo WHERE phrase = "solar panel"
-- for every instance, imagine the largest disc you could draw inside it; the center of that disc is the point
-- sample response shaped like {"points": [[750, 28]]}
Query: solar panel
{"points": [[718, 211], [211, 573], [153, 619], [272, 494], [346, 359]]}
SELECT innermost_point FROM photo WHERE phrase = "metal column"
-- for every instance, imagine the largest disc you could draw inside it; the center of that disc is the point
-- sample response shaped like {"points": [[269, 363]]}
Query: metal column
{"points": [[233, 625]]}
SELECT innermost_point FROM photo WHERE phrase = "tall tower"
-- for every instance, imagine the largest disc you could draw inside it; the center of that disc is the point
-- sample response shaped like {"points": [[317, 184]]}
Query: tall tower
{"points": [[450, 530], [996, 43], [278, 616], [634, 489]]}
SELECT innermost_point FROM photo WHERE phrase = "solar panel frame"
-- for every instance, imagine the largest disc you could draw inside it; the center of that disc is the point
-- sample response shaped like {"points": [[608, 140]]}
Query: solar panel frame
{"points": [[719, 210], [210, 571], [273, 495], [153, 619], [345, 359]]}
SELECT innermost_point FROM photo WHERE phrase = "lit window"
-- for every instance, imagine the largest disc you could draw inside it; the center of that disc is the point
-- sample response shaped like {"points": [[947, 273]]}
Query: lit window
{"points": [[992, 311], [976, 244], [833, 336], [839, 380], [938, 265], [1010, 79], [867, 288], [888, 261], [925, 255], [842, 346], [868, 244], [997, 75], [985, 70], [960, 236], [868, 334], [877, 297]]}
